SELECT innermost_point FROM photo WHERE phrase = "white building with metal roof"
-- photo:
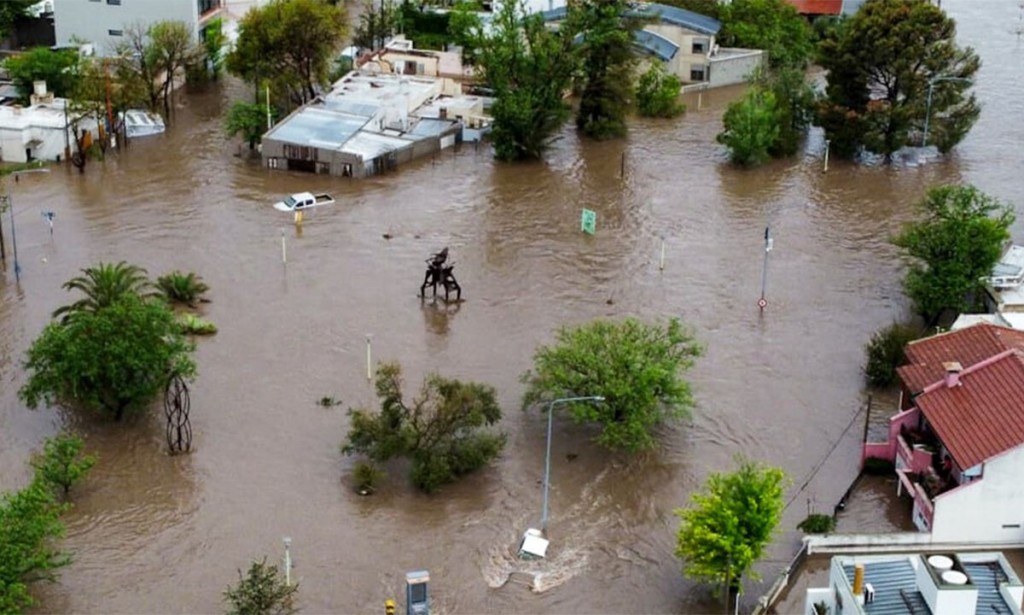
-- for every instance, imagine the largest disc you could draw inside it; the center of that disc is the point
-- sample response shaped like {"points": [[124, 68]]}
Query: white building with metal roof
{"points": [[918, 584], [369, 123]]}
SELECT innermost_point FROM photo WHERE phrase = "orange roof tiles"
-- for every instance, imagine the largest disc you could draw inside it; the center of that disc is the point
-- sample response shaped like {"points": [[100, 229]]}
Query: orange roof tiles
{"points": [[818, 7], [981, 416], [967, 346]]}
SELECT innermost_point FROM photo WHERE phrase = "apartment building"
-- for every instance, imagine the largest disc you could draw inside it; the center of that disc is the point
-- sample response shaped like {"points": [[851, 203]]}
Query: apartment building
{"points": [[104, 22]]}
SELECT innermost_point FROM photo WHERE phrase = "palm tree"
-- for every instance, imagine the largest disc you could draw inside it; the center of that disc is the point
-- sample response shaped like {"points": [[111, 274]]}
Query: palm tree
{"points": [[104, 284], [182, 288]]}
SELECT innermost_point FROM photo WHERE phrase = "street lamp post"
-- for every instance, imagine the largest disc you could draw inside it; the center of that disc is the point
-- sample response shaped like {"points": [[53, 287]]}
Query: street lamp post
{"points": [[547, 455], [928, 107], [14, 233]]}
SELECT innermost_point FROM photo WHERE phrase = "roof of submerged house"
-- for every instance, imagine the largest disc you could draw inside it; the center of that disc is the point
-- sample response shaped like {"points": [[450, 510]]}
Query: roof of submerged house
{"points": [[967, 346], [981, 415]]}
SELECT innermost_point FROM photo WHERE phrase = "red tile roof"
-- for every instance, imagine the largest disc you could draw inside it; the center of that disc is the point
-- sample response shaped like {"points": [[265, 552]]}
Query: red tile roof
{"points": [[967, 346], [818, 7], [983, 415]]}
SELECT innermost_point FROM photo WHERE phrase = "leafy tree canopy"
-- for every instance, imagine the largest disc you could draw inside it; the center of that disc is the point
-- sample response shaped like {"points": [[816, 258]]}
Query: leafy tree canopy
{"points": [[657, 93], [731, 521], [881, 62], [290, 44], [57, 68], [10, 11], [261, 591], [751, 127], [634, 366], [955, 244], [772, 25], [440, 431], [529, 68], [248, 120], [114, 360]]}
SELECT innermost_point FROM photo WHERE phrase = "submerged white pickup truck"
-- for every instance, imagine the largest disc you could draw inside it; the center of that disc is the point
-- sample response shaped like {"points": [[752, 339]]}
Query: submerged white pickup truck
{"points": [[303, 200]]}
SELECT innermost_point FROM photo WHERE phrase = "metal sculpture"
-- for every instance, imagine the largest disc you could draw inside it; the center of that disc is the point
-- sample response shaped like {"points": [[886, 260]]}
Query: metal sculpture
{"points": [[439, 273], [177, 404]]}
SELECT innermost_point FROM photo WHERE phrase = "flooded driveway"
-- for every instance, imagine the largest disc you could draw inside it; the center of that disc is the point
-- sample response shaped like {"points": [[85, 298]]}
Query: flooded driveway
{"points": [[153, 533]]}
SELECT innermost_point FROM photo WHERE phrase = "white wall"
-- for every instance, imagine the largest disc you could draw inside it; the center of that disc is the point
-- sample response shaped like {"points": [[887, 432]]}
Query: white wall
{"points": [[92, 20], [979, 512]]}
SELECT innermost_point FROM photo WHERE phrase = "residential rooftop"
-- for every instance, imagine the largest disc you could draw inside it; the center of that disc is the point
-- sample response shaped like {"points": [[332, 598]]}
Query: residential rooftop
{"points": [[926, 357]]}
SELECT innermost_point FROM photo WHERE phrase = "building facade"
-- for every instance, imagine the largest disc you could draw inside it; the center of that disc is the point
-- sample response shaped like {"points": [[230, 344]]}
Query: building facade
{"points": [[105, 23], [958, 442]]}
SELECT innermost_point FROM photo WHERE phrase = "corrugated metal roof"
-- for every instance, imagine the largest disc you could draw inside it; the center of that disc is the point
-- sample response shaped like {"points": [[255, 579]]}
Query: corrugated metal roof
{"points": [[317, 127], [655, 44], [369, 145], [983, 415], [676, 16], [336, 103], [650, 10], [987, 576], [429, 127], [888, 578], [966, 346]]}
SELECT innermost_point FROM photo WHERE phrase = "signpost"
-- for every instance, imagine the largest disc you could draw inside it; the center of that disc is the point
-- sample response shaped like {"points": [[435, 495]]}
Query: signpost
{"points": [[762, 303], [588, 221]]}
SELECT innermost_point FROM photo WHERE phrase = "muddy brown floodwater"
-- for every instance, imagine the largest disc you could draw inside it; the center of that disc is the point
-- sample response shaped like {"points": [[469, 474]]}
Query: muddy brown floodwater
{"points": [[152, 533]]}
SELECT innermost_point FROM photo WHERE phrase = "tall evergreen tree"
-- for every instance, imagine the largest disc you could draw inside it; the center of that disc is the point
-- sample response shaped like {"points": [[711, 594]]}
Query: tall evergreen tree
{"points": [[882, 64], [605, 36]]}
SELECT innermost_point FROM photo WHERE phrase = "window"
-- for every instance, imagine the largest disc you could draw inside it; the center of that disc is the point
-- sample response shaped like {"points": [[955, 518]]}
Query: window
{"points": [[698, 47], [117, 2], [115, 32], [697, 72], [1011, 526]]}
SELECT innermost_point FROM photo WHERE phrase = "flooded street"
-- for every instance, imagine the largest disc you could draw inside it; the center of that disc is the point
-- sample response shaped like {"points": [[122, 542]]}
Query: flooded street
{"points": [[152, 533]]}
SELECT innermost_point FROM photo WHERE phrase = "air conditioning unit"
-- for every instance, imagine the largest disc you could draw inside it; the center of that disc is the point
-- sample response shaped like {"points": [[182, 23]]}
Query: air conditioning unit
{"points": [[869, 593]]}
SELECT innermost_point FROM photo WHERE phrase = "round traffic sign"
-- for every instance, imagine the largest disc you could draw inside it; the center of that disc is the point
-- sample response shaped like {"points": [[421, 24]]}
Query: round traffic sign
{"points": [[762, 303]]}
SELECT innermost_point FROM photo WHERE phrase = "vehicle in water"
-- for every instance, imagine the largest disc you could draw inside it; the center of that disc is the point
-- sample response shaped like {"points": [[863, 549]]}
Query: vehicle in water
{"points": [[303, 200]]}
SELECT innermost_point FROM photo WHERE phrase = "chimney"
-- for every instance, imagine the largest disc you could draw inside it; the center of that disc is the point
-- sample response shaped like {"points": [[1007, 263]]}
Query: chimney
{"points": [[858, 583], [953, 370], [442, 113], [39, 88]]}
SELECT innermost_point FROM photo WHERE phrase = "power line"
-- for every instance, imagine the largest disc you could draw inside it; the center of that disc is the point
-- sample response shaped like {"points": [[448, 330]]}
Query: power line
{"points": [[831, 449]]}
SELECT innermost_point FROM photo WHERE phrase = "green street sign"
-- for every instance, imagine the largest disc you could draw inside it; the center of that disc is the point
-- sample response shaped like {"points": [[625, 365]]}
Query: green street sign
{"points": [[588, 221]]}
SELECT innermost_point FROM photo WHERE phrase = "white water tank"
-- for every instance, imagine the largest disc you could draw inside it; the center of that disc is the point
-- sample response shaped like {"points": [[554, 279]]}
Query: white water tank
{"points": [[940, 563], [954, 577]]}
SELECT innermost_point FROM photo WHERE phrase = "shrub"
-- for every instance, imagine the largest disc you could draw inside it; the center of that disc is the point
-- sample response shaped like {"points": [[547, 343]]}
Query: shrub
{"points": [[261, 591], [885, 352], [817, 523], [366, 476], [657, 93], [182, 288], [193, 325]]}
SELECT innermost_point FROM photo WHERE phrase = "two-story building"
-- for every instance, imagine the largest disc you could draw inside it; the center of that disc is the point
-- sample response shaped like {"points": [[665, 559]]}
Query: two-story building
{"points": [[958, 440], [103, 23], [684, 42]]}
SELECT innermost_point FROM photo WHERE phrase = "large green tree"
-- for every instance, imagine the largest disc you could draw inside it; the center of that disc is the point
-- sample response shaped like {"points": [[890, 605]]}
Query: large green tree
{"points": [[157, 55], [771, 25], [751, 127], [636, 368], [114, 360], [605, 39], [794, 105], [952, 248], [529, 68], [290, 45], [730, 522], [442, 431], [881, 65], [58, 68]]}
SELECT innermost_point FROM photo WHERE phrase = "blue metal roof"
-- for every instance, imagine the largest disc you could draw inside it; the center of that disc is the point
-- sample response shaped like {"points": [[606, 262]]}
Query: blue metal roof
{"points": [[676, 16], [987, 576], [655, 44], [667, 14], [888, 578]]}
